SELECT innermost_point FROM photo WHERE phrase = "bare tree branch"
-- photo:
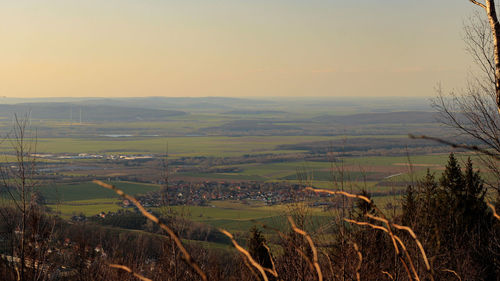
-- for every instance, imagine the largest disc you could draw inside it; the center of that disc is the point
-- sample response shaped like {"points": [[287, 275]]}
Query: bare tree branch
{"points": [[456, 145], [479, 4]]}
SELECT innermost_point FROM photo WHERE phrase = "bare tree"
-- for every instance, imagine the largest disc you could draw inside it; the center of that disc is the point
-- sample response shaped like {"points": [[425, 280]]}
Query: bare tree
{"points": [[474, 112], [490, 9], [27, 229]]}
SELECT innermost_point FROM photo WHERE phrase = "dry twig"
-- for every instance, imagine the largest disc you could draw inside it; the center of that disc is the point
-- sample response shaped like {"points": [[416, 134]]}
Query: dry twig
{"points": [[388, 274], [395, 239], [273, 269], [153, 218], [360, 257], [454, 273], [254, 274], [289, 239], [413, 235], [364, 198], [329, 263], [127, 269], [311, 244], [246, 254], [495, 214]]}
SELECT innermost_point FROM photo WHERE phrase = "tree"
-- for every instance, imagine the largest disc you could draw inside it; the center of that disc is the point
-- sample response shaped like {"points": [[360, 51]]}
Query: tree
{"points": [[452, 179], [258, 249], [363, 207], [489, 7], [475, 111], [409, 203], [454, 222], [28, 230]]}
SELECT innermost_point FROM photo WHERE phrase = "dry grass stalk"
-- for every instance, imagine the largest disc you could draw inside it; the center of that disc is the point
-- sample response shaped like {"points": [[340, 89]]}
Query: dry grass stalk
{"points": [[127, 269], [335, 192], [366, 199], [396, 247], [360, 257], [305, 257], [454, 273], [412, 266], [329, 263], [311, 244], [246, 254], [495, 214], [366, 224], [255, 275], [393, 237], [388, 274], [414, 236], [419, 244], [273, 269], [287, 238], [153, 218], [17, 273]]}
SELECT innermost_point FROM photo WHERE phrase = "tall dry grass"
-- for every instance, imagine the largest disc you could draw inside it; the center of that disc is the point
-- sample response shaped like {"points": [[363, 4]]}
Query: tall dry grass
{"points": [[310, 256], [187, 257]]}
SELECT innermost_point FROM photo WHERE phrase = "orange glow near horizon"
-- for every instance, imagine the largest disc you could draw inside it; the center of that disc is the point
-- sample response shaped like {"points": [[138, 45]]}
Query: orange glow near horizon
{"points": [[231, 48]]}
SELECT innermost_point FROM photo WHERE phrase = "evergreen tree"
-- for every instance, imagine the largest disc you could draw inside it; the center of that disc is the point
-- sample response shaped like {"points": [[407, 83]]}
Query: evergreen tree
{"points": [[453, 220], [428, 185], [409, 206], [474, 185], [452, 179], [363, 207], [420, 207], [258, 250], [476, 221]]}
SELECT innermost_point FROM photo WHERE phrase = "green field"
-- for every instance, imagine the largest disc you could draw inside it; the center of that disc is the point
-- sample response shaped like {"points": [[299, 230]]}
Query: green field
{"points": [[357, 169], [361, 172], [231, 139], [237, 216], [90, 199], [86, 207], [90, 191], [177, 146]]}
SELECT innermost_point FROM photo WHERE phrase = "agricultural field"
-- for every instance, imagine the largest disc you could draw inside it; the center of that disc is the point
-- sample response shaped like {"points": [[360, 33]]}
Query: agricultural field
{"points": [[90, 191], [354, 170], [327, 144], [90, 199], [216, 146]]}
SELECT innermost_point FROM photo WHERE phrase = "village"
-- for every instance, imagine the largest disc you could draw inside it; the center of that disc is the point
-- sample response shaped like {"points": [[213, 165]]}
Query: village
{"points": [[200, 194]]}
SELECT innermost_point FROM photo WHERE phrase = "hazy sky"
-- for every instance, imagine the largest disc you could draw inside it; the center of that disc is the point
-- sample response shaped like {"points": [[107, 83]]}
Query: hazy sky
{"points": [[244, 48]]}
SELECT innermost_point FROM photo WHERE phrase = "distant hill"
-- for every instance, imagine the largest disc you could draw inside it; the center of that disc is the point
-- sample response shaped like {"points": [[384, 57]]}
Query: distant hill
{"points": [[251, 127], [90, 113], [203, 103], [401, 117], [335, 105], [253, 112]]}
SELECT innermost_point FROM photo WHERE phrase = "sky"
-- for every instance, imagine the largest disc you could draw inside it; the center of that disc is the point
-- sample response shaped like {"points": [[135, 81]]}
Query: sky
{"points": [[238, 48]]}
